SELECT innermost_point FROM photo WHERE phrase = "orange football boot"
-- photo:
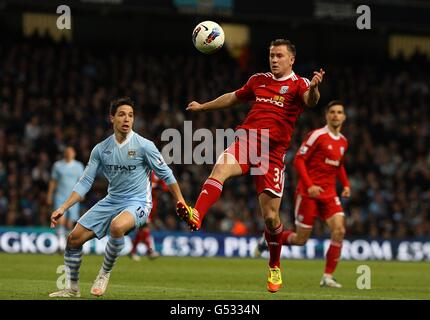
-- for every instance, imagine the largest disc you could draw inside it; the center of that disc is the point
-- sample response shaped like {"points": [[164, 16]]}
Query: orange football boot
{"points": [[189, 215], [274, 280]]}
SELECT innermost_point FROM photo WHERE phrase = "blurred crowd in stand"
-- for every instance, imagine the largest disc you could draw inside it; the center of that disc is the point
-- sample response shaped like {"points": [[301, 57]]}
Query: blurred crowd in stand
{"points": [[53, 95]]}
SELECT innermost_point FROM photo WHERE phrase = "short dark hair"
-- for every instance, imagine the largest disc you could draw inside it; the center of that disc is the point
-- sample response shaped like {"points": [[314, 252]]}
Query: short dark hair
{"points": [[117, 102], [333, 103], [284, 42]]}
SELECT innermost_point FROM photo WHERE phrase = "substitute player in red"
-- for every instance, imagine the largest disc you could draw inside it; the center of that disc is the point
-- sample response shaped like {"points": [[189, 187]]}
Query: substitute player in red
{"points": [[319, 161], [278, 98], [143, 234]]}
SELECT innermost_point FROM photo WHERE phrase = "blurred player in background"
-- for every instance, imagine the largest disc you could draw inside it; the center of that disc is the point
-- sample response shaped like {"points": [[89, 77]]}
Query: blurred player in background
{"points": [[65, 174], [319, 162], [144, 233], [127, 161], [278, 98]]}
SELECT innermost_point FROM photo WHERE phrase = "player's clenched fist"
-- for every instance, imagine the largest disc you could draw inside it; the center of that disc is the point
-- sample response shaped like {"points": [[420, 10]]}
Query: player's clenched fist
{"points": [[346, 192], [194, 106], [314, 191], [317, 78]]}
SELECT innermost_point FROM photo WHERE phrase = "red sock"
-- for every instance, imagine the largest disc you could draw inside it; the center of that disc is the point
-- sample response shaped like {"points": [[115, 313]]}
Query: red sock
{"points": [[211, 191], [285, 237], [274, 241], [146, 234], [332, 256], [136, 241]]}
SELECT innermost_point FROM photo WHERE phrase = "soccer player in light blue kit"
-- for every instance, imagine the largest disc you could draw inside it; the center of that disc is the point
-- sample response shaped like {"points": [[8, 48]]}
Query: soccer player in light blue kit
{"points": [[65, 174], [127, 161]]}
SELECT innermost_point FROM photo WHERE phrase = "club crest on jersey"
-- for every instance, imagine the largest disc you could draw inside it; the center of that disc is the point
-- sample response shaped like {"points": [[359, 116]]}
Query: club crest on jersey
{"points": [[283, 90], [303, 149], [342, 150], [131, 153]]}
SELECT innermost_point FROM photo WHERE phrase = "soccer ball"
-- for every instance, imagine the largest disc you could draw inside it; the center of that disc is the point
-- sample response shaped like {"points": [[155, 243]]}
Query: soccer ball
{"points": [[208, 37]]}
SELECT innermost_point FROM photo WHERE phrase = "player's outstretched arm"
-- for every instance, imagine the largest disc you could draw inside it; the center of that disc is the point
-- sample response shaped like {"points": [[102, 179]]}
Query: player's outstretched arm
{"points": [[227, 100], [175, 190], [51, 189], [312, 96], [58, 213], [155, 161]]}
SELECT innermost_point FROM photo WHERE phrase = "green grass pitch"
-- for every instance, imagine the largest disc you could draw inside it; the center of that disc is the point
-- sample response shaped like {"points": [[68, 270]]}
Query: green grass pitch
{"points": [[30, 276]]}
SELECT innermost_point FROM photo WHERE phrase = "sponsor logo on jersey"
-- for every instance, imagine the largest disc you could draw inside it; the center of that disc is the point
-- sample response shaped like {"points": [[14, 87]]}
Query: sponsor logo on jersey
{"points": [[283, 90], [335, 163], [120, 168], [276, 100]]}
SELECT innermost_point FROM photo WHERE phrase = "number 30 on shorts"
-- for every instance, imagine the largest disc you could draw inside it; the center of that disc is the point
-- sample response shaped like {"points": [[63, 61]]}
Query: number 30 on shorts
{"points": [[279, 177]]}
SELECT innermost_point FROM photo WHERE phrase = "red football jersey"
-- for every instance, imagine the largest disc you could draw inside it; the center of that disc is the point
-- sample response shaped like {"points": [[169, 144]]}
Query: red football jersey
{"points": [[157, 183], [276, 104], [320, 160]]}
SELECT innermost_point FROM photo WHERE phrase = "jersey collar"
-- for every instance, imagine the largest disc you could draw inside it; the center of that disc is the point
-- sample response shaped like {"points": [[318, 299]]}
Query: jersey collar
{"points": [[331, 134], [284, 77], [122, 144]]}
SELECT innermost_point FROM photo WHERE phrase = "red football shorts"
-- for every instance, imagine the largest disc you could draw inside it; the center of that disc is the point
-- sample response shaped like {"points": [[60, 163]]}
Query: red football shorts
{"points": [[306, 209], [267, 169]]}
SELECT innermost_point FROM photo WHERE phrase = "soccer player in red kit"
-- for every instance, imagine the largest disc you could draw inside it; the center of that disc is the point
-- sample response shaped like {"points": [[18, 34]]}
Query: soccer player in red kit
{"points": [[319, 161], [278, 98], [143, 234]]}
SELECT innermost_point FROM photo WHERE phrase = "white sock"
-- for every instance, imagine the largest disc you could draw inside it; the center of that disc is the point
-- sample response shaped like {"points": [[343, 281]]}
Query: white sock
{"points": [[74, 285]]}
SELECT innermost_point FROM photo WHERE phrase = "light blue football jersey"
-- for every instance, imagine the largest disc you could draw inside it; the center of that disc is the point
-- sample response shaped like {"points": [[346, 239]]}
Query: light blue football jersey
{"points": [[127, 167], [66, 174]]}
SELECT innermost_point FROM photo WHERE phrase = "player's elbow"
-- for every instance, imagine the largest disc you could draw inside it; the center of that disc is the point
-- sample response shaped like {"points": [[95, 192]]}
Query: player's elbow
{"points": [[312, 102], [311, 99]]}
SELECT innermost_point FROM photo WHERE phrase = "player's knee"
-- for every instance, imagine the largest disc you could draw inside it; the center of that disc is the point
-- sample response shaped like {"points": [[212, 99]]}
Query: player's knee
{"points": [[73, 241], [339, 233], [116, 230], [300, 241], [219, 173], [271, 221]]}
